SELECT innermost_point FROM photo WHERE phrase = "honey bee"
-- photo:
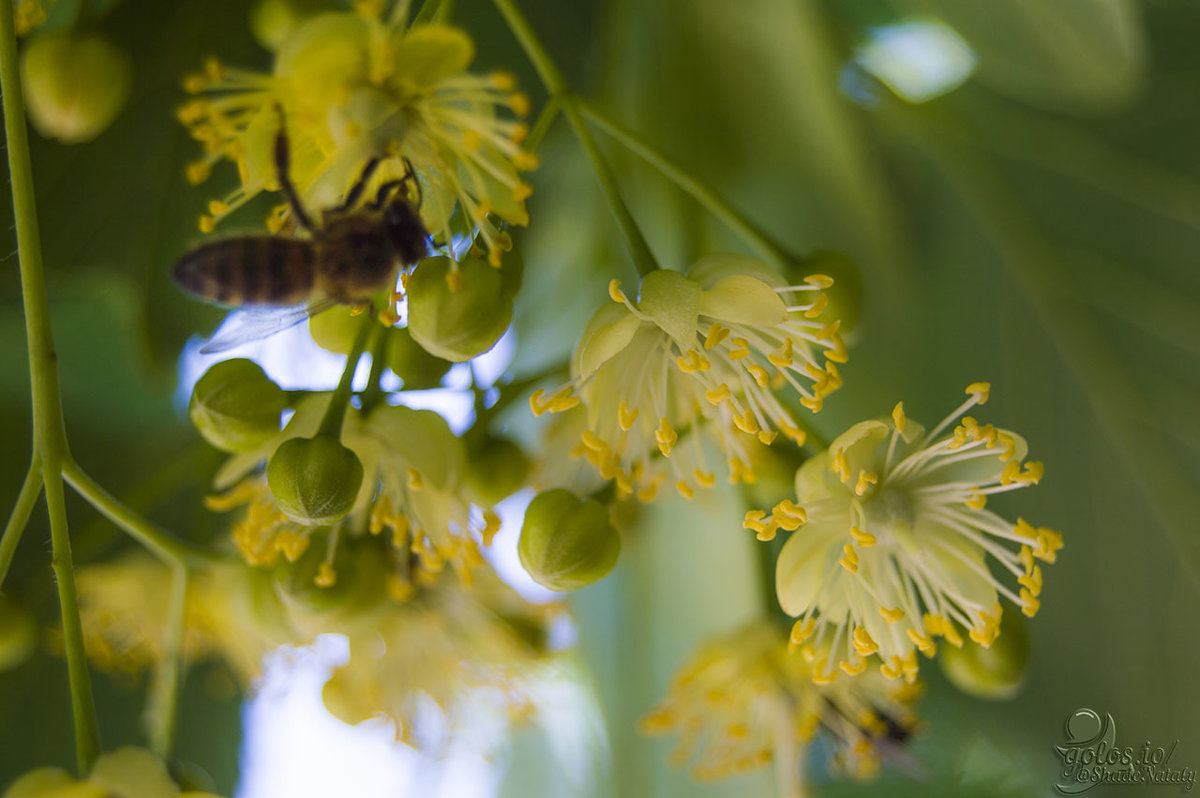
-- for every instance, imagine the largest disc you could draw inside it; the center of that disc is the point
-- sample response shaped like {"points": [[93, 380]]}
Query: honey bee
{"points": [[355, 251]]}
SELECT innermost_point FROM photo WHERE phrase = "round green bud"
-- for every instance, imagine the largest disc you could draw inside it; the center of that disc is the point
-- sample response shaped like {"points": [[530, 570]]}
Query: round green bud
{"points": [[18, 633], [273, 21], [236, 407], [845, 295], [75, 84], [314, 480], [496, 470], [457, 316], [567, 543], [409, 361], [994, 673], [334, 330]]}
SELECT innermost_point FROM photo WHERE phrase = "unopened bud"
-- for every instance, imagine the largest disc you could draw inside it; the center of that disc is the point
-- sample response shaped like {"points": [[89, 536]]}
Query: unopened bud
{"points": [[457, 324], [994, 673], [496, 470], [314, 480], [236, 407], [567, 543], [75, 84], [409, 361], [334, 330]]}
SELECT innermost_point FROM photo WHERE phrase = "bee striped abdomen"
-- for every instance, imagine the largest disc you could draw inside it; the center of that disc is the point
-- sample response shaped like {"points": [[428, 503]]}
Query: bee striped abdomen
{"points": [[249, 270]]}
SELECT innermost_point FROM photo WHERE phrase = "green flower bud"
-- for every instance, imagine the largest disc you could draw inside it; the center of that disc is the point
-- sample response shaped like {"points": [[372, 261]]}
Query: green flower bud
{"points": [[351, 584], [994, 673], [845, 295], [75, 84], [496, 470], [236, 407], [18, 634], [334, 330], [567, 543], [314, 480], [409, 361], [273, 21], [457, 323]]}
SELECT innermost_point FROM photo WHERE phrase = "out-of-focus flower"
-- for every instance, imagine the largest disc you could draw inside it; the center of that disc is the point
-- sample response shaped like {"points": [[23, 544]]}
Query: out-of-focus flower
{"points": [[356, 86], [448, 641], [743, 701], [892, 541], [124, 773], [413, 488], [701, 351], [75, 83], [231, 614], [29, 14]]}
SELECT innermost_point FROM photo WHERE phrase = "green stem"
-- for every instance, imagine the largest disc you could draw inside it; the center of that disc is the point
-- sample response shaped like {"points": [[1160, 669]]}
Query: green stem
{"points": [[83, 706], [560, 90], [164, 706], [30, 491], [335, 413], [49, 432], [755, 238], [444, 12], [541, 125], [429, 11], [373, 394], [160, 543]]}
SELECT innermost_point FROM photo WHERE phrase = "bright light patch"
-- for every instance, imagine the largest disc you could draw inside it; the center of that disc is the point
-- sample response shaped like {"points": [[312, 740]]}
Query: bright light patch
{"points": [[918, 60]]}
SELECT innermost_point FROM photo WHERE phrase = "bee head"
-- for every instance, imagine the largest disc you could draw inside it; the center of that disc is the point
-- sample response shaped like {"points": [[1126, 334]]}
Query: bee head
{"points": [[405, 229]]}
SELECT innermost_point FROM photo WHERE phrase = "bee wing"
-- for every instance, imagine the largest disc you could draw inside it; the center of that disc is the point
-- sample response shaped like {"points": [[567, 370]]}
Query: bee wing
{"points": [[256, 323]]}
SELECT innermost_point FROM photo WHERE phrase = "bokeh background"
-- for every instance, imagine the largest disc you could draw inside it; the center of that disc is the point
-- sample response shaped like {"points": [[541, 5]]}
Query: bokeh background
{"points": [[1018, 182]]}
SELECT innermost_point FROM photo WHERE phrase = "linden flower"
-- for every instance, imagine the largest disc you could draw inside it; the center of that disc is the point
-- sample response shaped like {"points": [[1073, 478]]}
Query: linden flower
{"points": [[701, 349], [743, 701], [231, 613], [446, 642], [124, 773], [892, 541], [413, 469], [357, 86]]}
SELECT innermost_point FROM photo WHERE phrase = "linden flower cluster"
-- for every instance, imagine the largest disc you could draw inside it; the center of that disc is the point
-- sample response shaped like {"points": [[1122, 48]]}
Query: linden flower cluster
{"points": [[357, 86], [698, 350], [893, 541], [412, 489], [124, 773], [743, 701]]}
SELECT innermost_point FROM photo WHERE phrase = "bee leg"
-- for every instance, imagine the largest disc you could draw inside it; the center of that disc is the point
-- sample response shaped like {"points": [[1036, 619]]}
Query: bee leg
{"points": [[282, 168], [384, 193], [409, 174], [360, 185]]}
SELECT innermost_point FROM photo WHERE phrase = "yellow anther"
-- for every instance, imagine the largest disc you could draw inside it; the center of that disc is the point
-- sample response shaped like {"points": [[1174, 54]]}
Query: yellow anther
{"points": [[818, 306], [746, 422], [207, 224], [864, 644], [593, 441], [814, 403], [502, 81], [625, 416], [919, 640], [615, 292], [197, 172], [802, 630], [716, 334], [893, 668], [849, 558], [840, 465], [838, 353], [789, 508], [705, 479], [865, 479], [537, 403], [759, 374], [415, 481], [823, 673], [1033, 473], [1010, 473], [1025, 529], [782, 357], [755, 520], [692, 362], [665, 436], [898, 417], [648, 493], [741, 349], [326, 575], [1032, 581], [819, 280], [853, 670], [977, 501], [980, 390], [388, 317], [864, 539], [767, 437], [1048, 544], [795, 434], [892, 615], [519, 103], [471, 140], [720, 394], [525, 161], [522, 192], [685, 490], [827, 332], [1029, 603]]}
